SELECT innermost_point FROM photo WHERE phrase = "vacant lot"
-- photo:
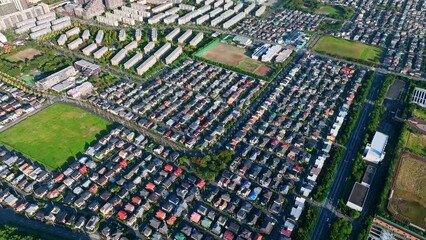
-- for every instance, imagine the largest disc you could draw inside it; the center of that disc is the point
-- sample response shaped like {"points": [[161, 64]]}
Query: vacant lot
{"points": [[348, 49], [54, 135], [234, 56], [28, 53], [409, 198]]}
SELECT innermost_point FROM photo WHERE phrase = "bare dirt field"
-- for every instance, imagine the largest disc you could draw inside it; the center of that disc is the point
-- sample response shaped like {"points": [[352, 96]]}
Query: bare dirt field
{"points": [[408, 202], [236, 57], [28, 53]]}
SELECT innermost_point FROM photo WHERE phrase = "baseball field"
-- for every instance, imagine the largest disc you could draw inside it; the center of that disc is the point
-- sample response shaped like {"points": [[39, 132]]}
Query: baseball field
{"points": [[234, 56]]}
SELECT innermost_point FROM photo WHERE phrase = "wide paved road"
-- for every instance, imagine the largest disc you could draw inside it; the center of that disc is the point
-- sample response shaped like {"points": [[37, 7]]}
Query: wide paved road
{"points": [[36, 227], [326, 215]]}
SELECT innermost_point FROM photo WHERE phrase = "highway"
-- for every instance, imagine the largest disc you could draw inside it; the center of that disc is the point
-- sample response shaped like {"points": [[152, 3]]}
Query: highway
{"points": [[344, 168]]}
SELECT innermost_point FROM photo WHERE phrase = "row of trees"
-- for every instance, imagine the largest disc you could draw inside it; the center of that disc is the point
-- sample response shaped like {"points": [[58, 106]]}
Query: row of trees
{"points": [[339, 12], [360, 165], [340, 229], [18, 84], [307, 223], [330, 166], [12, 233]]}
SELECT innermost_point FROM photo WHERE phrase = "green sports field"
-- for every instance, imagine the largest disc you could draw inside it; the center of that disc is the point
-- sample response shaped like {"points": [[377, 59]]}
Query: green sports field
{"points": [[54, 135], [348, 49]]}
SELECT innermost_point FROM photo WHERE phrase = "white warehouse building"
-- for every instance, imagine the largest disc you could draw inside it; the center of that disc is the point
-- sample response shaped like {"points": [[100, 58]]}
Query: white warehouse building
{"points": [[375, 152]]}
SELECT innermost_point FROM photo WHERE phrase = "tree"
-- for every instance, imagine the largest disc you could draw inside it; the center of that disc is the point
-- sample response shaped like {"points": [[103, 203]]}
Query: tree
{"points": [[12, 233], [340, 229]]}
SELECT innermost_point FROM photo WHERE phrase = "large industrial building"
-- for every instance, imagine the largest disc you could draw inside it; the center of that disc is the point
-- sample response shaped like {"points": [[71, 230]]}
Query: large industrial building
{"points": [[375, 152], [360, 191]]}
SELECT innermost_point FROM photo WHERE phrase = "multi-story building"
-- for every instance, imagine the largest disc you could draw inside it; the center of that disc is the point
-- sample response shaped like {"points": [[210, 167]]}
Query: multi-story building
{"points": [[92, 9], [173, 55], [197, 39], [56, 78], [145, 66], [111, 4], [172, 34], [7, 7], [185, 36], [87, 68], [118, 57], [101, 52], [11, 20], [160, 52], [132, 61]]}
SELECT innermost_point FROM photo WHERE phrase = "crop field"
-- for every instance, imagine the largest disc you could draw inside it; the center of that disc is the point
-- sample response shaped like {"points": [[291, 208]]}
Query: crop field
{"points": [[348, 49], [54, 135], [408, 202], [234, 56], [28, 53]]}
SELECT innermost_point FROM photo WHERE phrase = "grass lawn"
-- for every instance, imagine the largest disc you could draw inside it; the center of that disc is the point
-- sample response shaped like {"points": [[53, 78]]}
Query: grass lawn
{"points": [[54, 135], [409, 198], [420, 113], [335, 11], [327, 9], [348, 49], [416, 143]]}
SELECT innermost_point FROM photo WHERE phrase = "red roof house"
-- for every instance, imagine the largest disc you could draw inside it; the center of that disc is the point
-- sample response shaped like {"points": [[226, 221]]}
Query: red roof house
{"points": [[150, 186], [168, 168], [178, 172], [122, 215], [201, 183]]}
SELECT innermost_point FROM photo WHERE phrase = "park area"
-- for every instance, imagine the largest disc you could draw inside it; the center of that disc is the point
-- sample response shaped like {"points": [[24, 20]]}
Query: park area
{"points": [[335, 11], [237, 57], [348, 49], [408, 202], [54, 135]]}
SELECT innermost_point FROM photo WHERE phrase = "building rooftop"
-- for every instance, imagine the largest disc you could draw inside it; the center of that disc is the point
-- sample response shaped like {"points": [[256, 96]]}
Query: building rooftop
{"points": [[358, 195], [368, 175], [375, 151]]}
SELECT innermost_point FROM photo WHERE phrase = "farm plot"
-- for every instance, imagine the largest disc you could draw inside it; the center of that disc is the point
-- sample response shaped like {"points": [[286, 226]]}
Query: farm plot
{"points": [[408, 202]]}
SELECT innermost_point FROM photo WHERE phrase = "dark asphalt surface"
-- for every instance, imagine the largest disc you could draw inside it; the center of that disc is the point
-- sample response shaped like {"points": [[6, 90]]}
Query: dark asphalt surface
{"points": [[326, 215], [8, 216]]}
